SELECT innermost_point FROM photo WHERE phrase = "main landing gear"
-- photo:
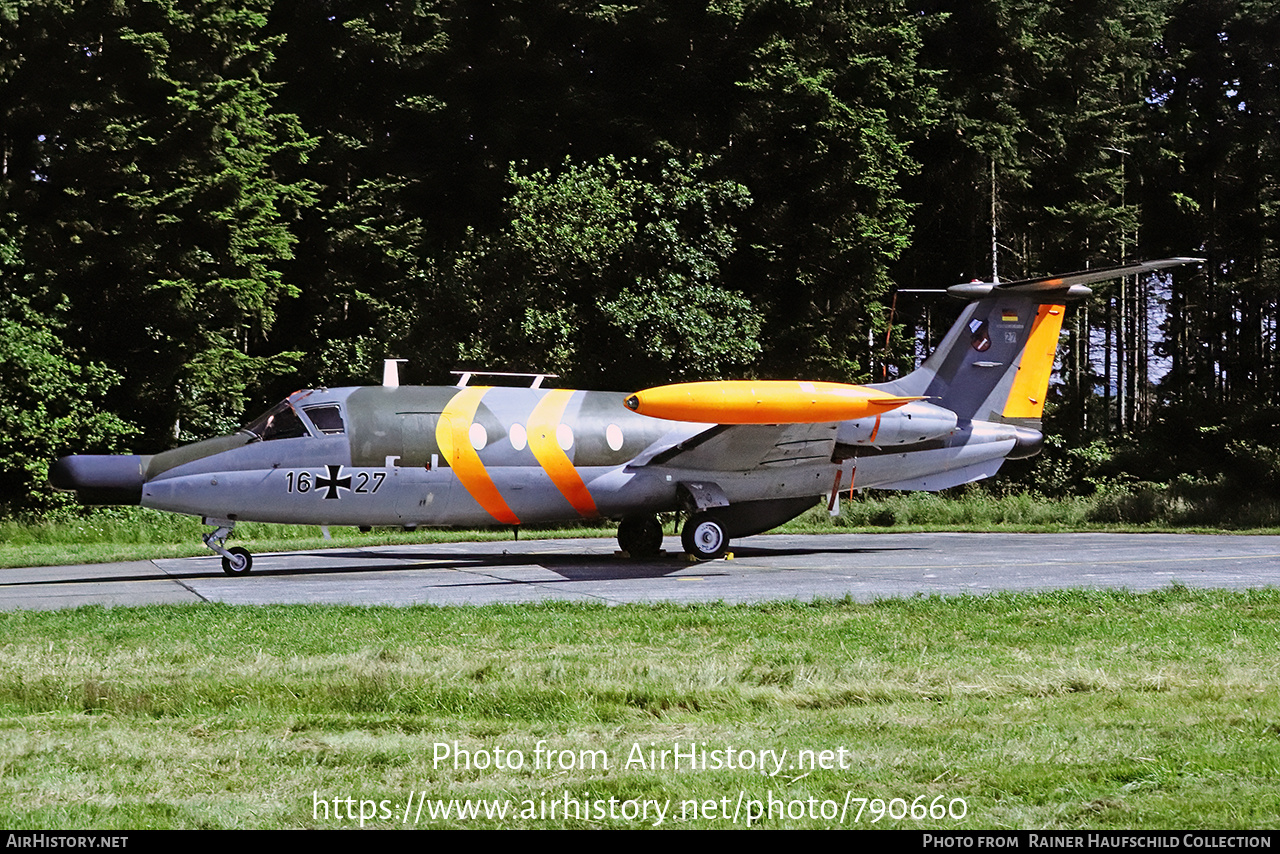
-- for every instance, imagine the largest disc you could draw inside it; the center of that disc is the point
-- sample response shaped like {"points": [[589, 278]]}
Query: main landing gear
{"points": [[640, 536], [703, 536], [235, 561]]}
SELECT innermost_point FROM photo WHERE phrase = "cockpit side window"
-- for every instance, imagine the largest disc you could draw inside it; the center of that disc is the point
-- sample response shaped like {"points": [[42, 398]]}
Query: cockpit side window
{"points": [[280, 422], [327, 419]]}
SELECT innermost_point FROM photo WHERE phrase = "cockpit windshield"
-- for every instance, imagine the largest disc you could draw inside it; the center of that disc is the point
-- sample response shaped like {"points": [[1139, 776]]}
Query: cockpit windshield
{"points": [[279, 422]]}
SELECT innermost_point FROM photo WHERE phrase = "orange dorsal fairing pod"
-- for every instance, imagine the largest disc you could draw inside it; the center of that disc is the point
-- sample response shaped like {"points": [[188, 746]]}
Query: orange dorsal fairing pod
{"points": [[763, 402]]}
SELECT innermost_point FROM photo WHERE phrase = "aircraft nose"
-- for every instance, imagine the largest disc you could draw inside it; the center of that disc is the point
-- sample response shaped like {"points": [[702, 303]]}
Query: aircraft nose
{"points": [[100, 478]]}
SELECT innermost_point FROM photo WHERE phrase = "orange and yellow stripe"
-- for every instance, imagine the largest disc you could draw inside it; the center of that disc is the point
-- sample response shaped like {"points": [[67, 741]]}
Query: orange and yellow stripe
{"points": [[544, 423], [453, 435], [454, 438]]}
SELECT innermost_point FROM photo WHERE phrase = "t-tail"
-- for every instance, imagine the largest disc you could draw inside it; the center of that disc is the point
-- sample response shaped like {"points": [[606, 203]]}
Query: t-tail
{"points": [[991, 375], [995, 362]]}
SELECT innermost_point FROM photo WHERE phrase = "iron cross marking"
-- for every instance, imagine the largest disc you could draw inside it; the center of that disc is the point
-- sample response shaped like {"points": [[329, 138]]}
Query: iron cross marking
{"points": [[333, 483]]}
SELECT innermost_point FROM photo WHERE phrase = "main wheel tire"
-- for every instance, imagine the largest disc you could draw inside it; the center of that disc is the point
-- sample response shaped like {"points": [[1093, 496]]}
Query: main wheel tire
{"points": [[239, 563], [640, 536], [704, 537]]}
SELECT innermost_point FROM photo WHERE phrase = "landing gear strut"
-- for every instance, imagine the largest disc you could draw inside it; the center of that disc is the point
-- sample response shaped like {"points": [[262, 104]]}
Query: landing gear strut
{"points": [[640, 536], [235, 561], [704, 537]]}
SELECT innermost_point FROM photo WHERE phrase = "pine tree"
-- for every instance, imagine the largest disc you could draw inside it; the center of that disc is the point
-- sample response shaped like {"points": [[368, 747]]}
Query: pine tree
{"points": [[142, 158]]}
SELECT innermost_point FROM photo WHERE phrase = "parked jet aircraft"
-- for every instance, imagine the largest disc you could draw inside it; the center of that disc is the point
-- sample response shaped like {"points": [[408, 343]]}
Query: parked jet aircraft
{"points": [[738, 457]]}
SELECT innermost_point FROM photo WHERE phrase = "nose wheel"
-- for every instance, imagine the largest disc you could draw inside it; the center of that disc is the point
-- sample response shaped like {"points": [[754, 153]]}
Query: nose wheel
{"points": [[235, 561], [704, 537]]}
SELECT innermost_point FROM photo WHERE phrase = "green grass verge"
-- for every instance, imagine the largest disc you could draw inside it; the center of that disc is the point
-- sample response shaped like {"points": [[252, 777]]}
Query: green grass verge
{"points": [[1066, 710], [134, 533]]}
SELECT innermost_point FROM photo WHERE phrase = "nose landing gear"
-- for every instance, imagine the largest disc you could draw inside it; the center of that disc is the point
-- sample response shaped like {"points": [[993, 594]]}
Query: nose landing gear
{"points": [[235, 561]]}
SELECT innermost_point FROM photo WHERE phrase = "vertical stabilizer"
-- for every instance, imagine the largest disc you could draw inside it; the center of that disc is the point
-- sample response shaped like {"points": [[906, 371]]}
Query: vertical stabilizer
{"points": [[994, 363]]}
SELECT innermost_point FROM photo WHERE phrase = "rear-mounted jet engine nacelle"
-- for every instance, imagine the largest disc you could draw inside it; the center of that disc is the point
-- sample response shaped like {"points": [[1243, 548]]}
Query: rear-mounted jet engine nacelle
{"points": [[914, 422]]}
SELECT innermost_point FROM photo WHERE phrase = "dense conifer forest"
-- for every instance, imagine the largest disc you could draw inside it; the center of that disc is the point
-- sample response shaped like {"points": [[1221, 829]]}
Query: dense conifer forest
{"points": [[205, 204]]}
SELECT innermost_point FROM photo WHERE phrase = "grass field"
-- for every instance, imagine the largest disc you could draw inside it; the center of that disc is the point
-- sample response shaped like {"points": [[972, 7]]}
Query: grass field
{"points": [[1065, 710]]}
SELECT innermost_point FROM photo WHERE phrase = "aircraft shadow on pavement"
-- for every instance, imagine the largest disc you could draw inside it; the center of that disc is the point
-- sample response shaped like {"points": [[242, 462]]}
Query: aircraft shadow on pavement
{"points": [[571, 566], [276, 565]]}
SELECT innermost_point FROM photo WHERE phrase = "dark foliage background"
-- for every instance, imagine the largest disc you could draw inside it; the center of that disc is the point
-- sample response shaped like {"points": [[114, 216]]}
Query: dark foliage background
{"points": [[204, 205]]}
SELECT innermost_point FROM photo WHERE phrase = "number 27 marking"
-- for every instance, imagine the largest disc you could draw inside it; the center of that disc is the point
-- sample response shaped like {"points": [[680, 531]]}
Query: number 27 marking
{"points": [[362, 482]]}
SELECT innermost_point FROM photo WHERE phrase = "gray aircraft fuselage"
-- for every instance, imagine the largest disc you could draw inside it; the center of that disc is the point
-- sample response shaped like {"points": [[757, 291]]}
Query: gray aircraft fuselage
{"points": [[442, 455]]}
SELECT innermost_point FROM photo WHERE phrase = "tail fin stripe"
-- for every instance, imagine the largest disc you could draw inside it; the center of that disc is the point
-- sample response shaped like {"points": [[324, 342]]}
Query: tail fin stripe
{"points": [[1031, 382]]}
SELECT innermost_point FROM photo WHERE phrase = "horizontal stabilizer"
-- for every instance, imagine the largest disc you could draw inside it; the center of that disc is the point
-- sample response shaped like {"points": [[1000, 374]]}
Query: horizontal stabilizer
{"points": [[938, 481], [1068, 285]]}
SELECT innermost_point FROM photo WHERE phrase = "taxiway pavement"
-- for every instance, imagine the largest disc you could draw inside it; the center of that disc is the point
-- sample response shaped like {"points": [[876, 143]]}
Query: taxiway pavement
{"points": [[763, 568]]}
